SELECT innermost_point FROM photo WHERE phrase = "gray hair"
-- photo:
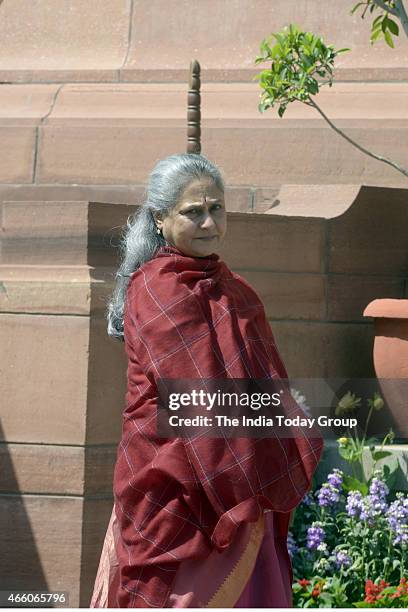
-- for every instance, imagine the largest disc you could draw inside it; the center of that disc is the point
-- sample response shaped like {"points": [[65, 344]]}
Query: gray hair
{"points": [[140, 240]]}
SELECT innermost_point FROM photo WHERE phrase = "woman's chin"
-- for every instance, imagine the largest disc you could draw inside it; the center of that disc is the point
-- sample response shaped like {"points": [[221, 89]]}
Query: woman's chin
{"points": [[205, 247]]}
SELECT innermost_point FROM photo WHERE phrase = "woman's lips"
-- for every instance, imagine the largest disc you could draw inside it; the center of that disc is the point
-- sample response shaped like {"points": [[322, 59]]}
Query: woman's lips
{"points": [[207, 238]]}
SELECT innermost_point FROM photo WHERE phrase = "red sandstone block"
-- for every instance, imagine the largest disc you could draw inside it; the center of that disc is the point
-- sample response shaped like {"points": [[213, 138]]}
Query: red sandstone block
{"points": [[316, 349], [46, 388], [349, 295], [45, 469], [17, 154], [289, 296], [274, 243], [371, 237], [41, 543]]}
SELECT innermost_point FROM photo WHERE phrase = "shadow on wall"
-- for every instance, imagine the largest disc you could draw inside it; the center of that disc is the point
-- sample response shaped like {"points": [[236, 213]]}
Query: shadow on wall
{"points": [[20, 563]]}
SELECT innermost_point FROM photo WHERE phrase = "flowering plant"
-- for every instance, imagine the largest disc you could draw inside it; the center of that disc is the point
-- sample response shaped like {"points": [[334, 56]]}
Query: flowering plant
{"points": [[349, 538]]}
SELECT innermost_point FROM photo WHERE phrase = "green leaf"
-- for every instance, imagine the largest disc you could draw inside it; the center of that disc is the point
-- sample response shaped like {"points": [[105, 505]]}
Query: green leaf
{"points": [[375, 35], [281, 111], [388, 39], [393, 27], [279, 38], [377, 455], [342, 51], [351, 483], [384, 24], [353, 10]]}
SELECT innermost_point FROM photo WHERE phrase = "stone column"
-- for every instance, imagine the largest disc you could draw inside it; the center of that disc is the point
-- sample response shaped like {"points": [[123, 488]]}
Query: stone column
{"points": [[63, 392]]}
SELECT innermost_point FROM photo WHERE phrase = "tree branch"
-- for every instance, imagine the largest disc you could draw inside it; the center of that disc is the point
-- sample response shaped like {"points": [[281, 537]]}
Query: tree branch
{"points": [[382, 5], [402, 14], [362, 149]]}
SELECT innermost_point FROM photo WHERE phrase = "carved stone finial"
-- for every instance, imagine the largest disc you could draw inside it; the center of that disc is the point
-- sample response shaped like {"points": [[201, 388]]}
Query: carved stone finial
{"points": [[193, 110]]}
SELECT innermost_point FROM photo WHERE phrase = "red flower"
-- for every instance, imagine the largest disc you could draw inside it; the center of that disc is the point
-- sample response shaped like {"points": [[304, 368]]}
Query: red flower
{"points": [[373, 591], [402, 589], [316, 592], [303, 583]]}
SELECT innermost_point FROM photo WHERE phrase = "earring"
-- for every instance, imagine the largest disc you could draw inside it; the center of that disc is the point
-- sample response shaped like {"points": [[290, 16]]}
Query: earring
{"points": [[159, 230]]}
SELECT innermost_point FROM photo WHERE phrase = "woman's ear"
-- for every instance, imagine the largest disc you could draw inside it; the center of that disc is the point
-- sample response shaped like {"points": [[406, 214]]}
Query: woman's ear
{"points": [[158, 220]]}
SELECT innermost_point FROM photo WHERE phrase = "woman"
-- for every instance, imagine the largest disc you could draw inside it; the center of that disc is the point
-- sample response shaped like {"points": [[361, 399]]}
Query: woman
{"points": [[197, 522]]}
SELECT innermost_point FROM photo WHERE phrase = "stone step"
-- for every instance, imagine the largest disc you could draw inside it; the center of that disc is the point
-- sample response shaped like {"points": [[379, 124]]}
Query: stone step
{"points": [[113, 134], [148, 40]]}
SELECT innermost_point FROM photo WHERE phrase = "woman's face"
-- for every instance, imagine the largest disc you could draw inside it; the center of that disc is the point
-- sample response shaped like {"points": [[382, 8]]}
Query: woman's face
{"points": [[196, 225]]}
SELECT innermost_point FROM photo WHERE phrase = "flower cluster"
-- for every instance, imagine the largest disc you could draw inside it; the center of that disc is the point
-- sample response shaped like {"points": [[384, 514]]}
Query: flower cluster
{"points": [[350, 526], [354, 504], [308, 499], [370, 507], [335, 478], [292, 546], [342, 559], [378, 495], [397, 516], [315, 536], [401, 590], [373, 591], [329, 493]]}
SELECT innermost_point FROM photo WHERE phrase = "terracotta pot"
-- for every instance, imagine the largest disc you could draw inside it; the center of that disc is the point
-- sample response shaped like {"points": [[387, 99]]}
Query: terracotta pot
{"points": [[391, 357]]}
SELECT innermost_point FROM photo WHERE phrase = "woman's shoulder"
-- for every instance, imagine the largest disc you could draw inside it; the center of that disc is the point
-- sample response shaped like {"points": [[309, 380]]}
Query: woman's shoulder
{"points": [[154, 283], [150, 269]]}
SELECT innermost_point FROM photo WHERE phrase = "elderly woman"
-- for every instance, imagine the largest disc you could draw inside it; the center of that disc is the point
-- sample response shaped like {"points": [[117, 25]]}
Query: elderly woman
{"points": [[201, 521]]}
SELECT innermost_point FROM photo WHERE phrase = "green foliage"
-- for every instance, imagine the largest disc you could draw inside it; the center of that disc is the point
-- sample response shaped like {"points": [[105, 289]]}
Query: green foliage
{"points": [[343, 544], [382, 26], [299, 62], [320, 593]]}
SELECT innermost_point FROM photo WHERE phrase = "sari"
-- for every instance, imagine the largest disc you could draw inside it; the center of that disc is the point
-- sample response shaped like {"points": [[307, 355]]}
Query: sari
{"points": [[199, 522]]}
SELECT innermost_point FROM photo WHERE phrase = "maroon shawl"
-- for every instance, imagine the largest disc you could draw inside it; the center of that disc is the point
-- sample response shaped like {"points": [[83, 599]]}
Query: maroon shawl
{"points": [[188, 317]]}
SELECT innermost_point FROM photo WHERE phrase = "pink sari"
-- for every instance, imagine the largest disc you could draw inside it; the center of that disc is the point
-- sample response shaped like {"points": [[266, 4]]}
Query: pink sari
{"points": [[254, 571]]}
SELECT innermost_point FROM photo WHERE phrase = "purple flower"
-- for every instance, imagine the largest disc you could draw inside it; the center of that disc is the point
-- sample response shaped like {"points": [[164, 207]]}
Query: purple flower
{"points": [[342, 559], [354, 504], [378, 505], [307, 500], [291, 544], [365, 508], [397, 516], [315, 536], [328, 495], [335, 478], [379, 489], [368, 512]]}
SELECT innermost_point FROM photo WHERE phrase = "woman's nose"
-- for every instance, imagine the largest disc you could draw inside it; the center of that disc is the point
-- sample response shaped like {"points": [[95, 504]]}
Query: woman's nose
{"points": [[207, 221]]}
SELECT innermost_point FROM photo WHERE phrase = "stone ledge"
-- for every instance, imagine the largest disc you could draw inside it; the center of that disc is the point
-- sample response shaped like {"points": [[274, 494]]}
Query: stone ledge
{"points": [[226, 39], [48, 469], [113, 134], [78, 39], [100, 40], [121, 102]]}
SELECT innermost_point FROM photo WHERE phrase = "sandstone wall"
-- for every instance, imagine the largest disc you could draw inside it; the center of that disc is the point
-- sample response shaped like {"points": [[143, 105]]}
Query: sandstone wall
{"points": [[92, 93]]}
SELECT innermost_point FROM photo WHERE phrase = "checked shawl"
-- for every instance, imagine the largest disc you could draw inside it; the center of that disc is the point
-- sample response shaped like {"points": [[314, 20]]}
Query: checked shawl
{"points": [[177, 499]]}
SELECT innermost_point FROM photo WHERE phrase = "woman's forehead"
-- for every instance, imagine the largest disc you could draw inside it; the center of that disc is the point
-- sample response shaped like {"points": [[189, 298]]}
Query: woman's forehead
{"points": [[203, 188]]}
